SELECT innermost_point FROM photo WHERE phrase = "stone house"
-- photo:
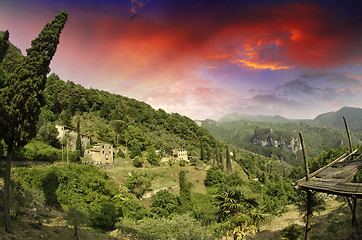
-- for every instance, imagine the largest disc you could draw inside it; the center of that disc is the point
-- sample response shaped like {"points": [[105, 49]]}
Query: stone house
{"points": [[69, 136], [180, 154], [100, 153]]}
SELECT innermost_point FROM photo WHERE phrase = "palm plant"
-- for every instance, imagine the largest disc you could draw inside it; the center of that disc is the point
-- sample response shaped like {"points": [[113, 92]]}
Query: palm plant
{"points": [[237, 209]]}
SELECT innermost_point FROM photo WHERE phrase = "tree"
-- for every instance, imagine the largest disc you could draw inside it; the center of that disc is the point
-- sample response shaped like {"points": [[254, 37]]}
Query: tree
{"points": [[76, 216], [237, 209], [185, 190], [228, 162], [4, 45], [22, 96], [202, 154], [138, 184], [164, 203], [79, 146]]}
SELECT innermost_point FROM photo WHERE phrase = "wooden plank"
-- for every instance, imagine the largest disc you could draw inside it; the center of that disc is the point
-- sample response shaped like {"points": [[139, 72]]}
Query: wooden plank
{"points": [[340, 159], [344, 189], [345, 163]]}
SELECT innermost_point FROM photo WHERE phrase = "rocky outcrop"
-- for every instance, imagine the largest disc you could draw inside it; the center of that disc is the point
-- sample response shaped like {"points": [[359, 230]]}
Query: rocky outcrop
{"points": [[268, 137]]}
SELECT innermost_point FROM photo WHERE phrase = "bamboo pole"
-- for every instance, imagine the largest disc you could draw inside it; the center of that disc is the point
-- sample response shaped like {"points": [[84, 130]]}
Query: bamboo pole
{"points": [[309, 193]]}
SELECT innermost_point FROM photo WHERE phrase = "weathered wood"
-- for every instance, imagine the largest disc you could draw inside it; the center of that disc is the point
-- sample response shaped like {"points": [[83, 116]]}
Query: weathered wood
{"points": [[340, 159], [304, 157], [331, 187], [309, 193], [349, 136]]}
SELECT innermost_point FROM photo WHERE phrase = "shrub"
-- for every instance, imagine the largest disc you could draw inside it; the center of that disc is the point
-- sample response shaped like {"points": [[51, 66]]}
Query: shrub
{"points": [[138, 162], [164, 203], [138, 184]]}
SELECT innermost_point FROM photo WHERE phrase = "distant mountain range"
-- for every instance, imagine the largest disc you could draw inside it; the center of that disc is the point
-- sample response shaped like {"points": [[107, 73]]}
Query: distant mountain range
{"points": [[277, 137], [330, 119]]}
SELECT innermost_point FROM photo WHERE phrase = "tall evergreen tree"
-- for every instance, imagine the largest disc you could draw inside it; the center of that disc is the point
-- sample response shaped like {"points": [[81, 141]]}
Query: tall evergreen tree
{"points": [[217, 155], [185, 191], [22, 96], [202, 157], [79, 146], [228, 161], [4, 45]]}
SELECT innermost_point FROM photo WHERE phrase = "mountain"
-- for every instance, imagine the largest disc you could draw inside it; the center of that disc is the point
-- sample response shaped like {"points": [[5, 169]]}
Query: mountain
{"points": [[231, 117], [335, 119], [278, 140]]}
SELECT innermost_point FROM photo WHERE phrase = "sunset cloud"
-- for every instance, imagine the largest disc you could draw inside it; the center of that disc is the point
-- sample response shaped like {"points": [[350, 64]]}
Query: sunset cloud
{"points": [[206, 58]]}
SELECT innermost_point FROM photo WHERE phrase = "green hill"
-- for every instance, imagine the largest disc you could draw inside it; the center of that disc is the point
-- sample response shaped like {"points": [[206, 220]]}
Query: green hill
{"points": [[231, 117], [335, 119], [243, 133]]}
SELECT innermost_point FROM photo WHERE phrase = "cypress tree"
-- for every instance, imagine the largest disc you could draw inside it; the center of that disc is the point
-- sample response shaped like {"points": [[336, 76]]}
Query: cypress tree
{"points": [[217, 155], [202, 158], [79, 141], [228, 161], [185, 191], [4, 45], [22, 97]]}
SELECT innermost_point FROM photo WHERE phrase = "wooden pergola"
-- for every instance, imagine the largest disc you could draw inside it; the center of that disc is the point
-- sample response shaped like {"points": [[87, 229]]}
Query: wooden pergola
{"points": [[334, 178]]}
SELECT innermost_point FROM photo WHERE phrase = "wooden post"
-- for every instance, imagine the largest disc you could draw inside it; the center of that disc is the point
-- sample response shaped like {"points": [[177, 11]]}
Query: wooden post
{"points": [[348, 135], [354, 199], [309, 193]]}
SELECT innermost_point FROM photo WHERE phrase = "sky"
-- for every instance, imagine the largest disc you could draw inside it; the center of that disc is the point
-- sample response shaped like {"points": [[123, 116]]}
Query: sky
{"points": [[206, 58]]}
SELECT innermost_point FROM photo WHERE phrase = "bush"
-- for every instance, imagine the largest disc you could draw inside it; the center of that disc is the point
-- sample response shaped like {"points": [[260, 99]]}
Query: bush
{"points": [[138, 162], [214, 176], [138, 184], [164, 203], [181, 227], [291, 233], [153, 158], [182, 163]]}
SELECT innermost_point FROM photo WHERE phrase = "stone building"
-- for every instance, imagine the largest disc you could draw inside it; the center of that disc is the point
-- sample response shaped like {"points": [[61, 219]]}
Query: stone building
{"points": [[180, 154], [100, 153], [68, 136]]}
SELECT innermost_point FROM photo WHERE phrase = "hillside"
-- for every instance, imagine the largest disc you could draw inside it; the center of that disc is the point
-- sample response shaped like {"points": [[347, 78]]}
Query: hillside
{"points": [[248, 135], [335, 119], [231, 117]]}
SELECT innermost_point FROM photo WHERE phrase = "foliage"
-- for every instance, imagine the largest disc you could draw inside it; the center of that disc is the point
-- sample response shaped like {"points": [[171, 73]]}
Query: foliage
{"points": [[164, 203], [236, 209], [202, 208], [138, 162], [214, 176], [317, 203], [83, 186], [21, 95], [39, 151], [152, 157], [138, 184], [185, 191], [180, 227], [76, 216], [291, 232], [326, 157], [240, 134]]}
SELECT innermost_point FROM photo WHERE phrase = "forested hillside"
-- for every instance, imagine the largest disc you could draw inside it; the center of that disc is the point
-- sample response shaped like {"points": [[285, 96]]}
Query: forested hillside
{"points": [[104, 116], [335, 119], [246, 135]]}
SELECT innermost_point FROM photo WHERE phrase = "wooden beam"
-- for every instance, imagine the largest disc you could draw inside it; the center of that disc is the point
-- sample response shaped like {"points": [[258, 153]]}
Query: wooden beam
{"points": [[340, 159], [348, 135], [308, 225]]}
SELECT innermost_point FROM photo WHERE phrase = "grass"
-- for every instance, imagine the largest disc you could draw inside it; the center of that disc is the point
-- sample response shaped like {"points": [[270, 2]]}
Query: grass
{"points": [[49, 225], [334, 223]]}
